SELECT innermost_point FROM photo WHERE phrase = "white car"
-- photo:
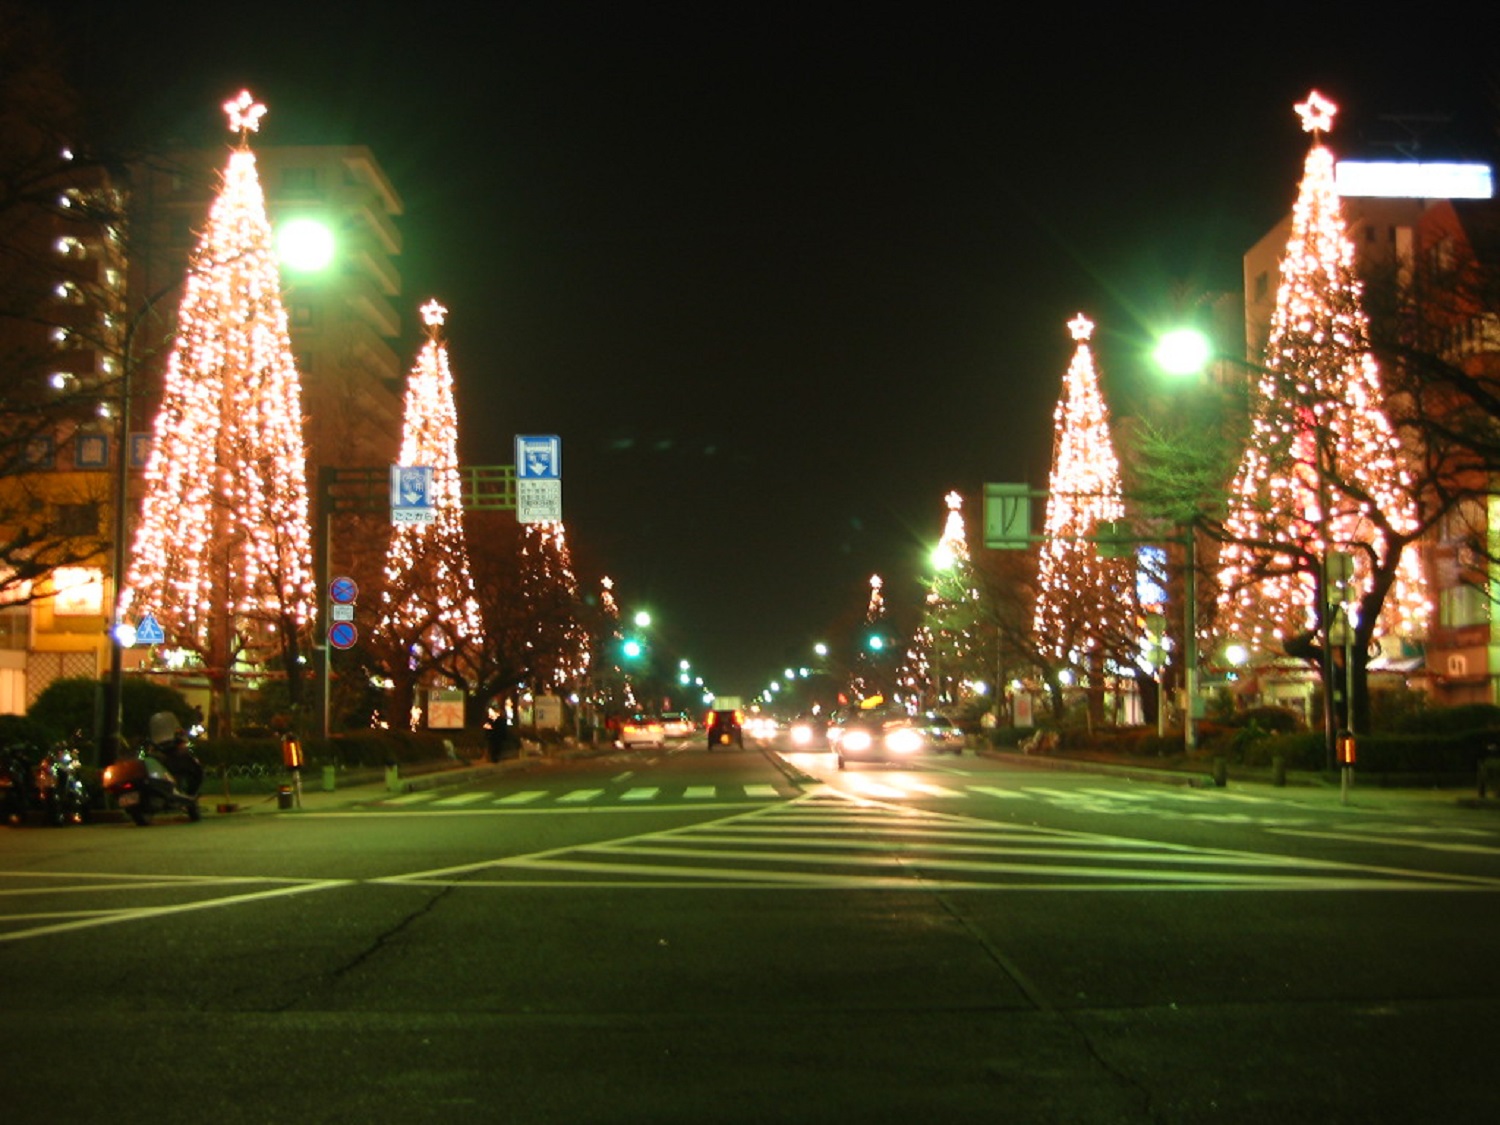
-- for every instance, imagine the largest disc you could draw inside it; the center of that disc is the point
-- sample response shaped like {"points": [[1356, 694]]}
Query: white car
{"points": [[642, 730], [676, 724]]}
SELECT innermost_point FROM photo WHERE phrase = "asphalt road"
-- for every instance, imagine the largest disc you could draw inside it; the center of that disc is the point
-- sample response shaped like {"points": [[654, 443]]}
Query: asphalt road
{"points": [[665, 936]]}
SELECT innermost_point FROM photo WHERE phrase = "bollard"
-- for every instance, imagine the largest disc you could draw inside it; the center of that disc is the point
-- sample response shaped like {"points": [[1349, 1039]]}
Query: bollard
{"points": [[393, 778], [1221, 772], [330, 779], [1278, 771], [283, 796]]}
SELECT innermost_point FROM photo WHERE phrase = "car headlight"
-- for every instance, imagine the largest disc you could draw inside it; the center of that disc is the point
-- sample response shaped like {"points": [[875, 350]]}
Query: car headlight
{"points": [[903, 741], [855, 740], [802, 734]]}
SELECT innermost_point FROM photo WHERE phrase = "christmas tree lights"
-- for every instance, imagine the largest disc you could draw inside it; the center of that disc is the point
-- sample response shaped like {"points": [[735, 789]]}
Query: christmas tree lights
{"points": [[941, 643], [557, 641], [428, 606], [1322, 472], [1084, 600], [222, 555]]}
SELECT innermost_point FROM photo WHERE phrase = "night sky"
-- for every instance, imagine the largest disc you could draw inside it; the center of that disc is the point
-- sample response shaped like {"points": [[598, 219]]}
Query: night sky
{"points": [[782, 276]]}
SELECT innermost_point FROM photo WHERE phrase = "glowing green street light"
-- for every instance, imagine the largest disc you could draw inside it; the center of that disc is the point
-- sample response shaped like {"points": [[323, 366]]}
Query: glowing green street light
{"points": [[1183, 352], [304, 245]]}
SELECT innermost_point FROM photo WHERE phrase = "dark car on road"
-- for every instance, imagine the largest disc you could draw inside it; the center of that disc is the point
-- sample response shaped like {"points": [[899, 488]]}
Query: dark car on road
{"points": [[724, 729], [881, 734]]}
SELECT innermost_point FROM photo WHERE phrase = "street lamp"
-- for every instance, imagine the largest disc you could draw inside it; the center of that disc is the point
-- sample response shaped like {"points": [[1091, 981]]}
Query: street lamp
{"points": [[1185, 352]]}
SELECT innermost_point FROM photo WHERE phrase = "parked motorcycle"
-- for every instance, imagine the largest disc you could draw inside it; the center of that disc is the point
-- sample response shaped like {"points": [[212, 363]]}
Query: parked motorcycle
{"points": [[164, 774], [61, 792]]}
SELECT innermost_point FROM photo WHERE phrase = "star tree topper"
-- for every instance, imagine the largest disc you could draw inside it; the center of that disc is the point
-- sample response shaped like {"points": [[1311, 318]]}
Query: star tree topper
{"points": [[1316, 113], [244, 115], [433, 315]]}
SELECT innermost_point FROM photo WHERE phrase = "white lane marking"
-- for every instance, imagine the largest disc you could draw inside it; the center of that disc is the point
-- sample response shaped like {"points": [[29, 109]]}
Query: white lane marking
{"points": [[700, 792], [137, 913], [640, 794], [579, 796], [768, 791], [1392, 840], [460, 799], [993, 791], [524, 796], [931, 790], [833, 839]]}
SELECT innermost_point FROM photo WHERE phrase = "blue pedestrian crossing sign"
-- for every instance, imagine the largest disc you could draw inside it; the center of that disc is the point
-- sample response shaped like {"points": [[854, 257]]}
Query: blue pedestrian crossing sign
{"points": [[148, 631], [411, 494]]}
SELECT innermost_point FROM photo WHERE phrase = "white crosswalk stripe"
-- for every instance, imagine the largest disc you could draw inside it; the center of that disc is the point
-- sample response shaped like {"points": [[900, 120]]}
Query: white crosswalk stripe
{"points": [[460, 799], [524, 797]]}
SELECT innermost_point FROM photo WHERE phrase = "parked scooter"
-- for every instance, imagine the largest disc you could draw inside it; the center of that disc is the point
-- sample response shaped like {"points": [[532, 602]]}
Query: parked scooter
{"points": [[164, 774], [61, 792]]}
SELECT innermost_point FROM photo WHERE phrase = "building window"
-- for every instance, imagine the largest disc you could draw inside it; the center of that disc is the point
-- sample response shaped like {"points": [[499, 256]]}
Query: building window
{"points": [[76, 520], [15, 627], [299, 181], [79, 591]]}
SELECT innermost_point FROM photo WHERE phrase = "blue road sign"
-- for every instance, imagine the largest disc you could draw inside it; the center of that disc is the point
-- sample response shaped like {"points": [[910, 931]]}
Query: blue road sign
{"points": [[538, 457], [148, 631], [343, 591]]}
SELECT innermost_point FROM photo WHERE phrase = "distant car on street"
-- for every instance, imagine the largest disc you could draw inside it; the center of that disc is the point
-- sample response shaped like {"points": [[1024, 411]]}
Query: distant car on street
{"points": [[943, 734], [677, 724], [642, 730], [724, 729], [809, 731], [881, 734]]}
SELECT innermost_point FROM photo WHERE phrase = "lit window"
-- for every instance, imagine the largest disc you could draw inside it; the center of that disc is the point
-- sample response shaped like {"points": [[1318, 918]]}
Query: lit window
{"points": [[79, 590]]}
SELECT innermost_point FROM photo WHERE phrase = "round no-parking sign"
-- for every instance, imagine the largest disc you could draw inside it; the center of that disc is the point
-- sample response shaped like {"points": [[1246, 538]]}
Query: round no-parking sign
{"points": [[342, 634]]}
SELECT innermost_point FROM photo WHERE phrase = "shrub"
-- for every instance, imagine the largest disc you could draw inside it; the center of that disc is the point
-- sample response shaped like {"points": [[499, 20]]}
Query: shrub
{"points": [[1449, 720], [73, 704], [1272, 720], [18, 730]]}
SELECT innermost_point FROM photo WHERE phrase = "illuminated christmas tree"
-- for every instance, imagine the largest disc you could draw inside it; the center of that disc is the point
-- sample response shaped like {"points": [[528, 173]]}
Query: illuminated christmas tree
{"points": [[1085, 600], [871, 672], [222, 555], [943, 640], [429, 615], [1322, 474], [557, 642]]}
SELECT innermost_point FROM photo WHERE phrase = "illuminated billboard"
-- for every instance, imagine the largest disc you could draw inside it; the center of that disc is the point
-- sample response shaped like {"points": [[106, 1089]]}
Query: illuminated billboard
{"points": [[1410, 179]]}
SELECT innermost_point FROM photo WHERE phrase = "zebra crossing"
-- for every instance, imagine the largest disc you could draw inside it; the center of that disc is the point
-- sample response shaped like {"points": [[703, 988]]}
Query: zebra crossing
{"points": [[886, 786], [831, 840], [588, 797]]}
